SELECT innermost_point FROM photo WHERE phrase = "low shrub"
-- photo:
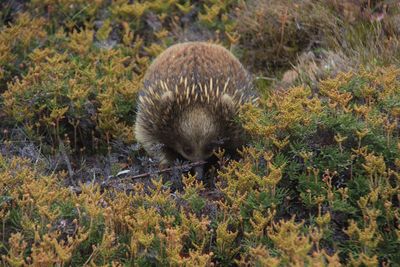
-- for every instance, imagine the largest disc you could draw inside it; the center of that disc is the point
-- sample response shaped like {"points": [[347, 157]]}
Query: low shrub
{"points": [[82, 100], [318, 186]]}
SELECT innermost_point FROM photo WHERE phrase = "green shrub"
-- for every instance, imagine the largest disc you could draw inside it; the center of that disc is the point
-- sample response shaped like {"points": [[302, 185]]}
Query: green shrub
{"points": [[80, 94], [16, 42]]}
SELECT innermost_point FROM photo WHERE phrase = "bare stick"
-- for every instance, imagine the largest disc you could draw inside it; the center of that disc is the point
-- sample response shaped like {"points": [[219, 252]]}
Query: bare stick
{"points": [[65, 156], [147, 174]]}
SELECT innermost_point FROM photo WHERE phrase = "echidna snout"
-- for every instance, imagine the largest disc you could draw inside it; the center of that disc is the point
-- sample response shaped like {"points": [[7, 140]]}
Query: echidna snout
{"points": [[198, 134]]}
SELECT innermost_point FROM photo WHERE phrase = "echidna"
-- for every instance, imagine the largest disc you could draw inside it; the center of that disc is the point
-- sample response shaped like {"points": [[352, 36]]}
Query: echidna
{"points": [[190, 97]]}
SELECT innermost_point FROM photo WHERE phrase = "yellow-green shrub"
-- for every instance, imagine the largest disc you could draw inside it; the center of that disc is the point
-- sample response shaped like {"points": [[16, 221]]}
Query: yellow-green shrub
{"points": [[318, 188], [78, 99], [16, 41], [340, 152]]}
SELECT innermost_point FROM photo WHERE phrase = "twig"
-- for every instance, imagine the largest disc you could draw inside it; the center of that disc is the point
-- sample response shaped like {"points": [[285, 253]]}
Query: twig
{"points": [[66, 159], [265, 78], [147, 174], [283, 20]]}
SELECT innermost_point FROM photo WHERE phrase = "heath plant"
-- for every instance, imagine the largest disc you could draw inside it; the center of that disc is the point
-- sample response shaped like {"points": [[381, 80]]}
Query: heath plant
{"points": [[317, 183]]}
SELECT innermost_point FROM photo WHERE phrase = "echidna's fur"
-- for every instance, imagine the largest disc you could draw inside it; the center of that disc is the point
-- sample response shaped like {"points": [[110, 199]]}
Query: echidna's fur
{"points": [[190, 97]]}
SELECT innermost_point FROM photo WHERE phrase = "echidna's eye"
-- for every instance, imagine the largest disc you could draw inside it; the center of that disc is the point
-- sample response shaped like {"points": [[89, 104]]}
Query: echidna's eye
{"points": [[187, 150]]}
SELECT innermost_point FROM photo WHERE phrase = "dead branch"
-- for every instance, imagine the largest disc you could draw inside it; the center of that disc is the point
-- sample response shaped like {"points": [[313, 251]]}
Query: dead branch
{"points": [[148, 174], [66, 159]]}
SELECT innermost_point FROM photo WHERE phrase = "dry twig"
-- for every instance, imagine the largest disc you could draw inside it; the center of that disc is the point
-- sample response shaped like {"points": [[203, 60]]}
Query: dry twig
{"points": [[148, 174]]}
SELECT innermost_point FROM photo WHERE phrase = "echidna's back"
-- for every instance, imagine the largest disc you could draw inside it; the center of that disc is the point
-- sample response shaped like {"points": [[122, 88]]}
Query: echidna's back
{"points": [[198, 62]]}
